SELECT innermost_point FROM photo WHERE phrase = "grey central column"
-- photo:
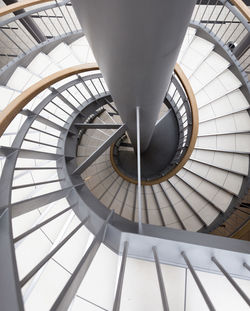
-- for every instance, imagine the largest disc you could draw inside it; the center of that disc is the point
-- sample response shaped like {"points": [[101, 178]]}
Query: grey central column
{"points": [[136, 44]]}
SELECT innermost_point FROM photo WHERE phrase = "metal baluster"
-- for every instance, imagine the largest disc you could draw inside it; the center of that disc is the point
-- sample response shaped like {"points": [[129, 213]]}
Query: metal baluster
{"points": [[37, 184], [139, 169], [73, 96], [58, 19], [197, 10], [231, 280], [59, 107], [205, 10], [232, 34], [227, 28], [51, 254], [72, 19], [223, 22], [80, 93], [161, 282], [215, 5], [218, 16], [102, 85], [25, 33], [41, 18], [52, 23], [4, 44], [246, 266], [118, 294], [198, 283], [94, 86], [40, 143], [5, 34], [43, 223]]}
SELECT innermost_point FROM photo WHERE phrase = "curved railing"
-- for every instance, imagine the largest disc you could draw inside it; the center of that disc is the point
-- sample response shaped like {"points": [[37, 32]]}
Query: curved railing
{"points": [[182, 246], [184, 106], [42, 21], [9, 113], [189, 122], [228, 21], [186, 245]]}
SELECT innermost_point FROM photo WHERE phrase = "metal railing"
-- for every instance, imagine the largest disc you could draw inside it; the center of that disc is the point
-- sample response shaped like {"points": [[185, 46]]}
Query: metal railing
{"points": [[50, 20], [180, 98], [179, 102], [81, 101], [228, 21]]}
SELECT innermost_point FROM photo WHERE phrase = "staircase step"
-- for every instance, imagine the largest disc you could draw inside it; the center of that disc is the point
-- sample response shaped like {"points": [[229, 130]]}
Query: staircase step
{"points": [[235, 163], [82, 50], [43, 65], [197, 52], [63, 57]]}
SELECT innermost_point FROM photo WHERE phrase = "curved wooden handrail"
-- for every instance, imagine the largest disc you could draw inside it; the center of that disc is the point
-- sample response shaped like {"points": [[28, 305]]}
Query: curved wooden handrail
{"points": [[195, 118], [243, 8], [9, 113], [195, 125], [19, 6]]}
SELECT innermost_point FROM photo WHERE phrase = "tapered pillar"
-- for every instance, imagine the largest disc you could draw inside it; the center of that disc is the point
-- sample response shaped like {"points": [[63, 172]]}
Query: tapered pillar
{"points": [[136, 44]]}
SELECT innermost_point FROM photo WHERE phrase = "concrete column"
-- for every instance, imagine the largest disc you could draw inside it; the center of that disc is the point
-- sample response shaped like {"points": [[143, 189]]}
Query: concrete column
{"points": [[136, 44]]}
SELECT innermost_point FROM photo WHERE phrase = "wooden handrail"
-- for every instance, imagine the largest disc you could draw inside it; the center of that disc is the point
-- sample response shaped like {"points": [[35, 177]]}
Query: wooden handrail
{"points": [[19, 6], [195, 125], [9, 113], [195, 119], [243, 8]]}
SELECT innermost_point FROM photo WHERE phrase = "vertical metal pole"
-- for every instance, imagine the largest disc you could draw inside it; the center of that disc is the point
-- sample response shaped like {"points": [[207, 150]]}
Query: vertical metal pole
{"points": [[138, 167], [185, 297], [231, 280], [198, 283], [118, 293], [160, 279]]}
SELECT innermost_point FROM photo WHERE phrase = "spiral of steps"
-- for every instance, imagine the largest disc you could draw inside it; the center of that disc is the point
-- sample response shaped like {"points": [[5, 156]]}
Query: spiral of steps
{"points": [[198, 198], [218, 167]]}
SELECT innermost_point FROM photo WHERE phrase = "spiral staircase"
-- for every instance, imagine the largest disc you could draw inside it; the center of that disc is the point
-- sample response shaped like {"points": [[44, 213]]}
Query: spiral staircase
{"points": [[69, 212]]}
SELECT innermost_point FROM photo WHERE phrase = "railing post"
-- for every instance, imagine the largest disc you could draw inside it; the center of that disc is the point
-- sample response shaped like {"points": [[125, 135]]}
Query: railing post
{"points": [[198, 283], [138, 168], [118, 294], [161, 282], [231, 280]]}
